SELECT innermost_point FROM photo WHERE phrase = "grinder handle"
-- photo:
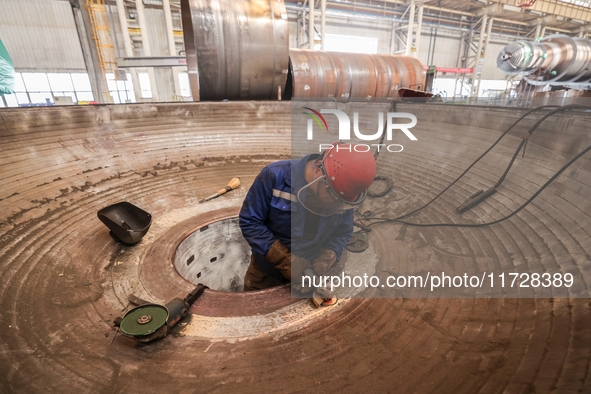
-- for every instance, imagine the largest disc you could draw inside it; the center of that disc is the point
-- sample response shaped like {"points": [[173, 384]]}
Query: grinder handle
{"points": [[192, 296]]}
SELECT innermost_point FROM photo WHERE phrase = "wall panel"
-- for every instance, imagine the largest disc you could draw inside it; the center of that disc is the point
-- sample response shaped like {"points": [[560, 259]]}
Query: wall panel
{"points": [[41, 36]]}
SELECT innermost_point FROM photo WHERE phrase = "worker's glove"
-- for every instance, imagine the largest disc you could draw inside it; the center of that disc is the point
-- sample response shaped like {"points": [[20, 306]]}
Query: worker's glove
{"points": [[290, 265], [300, 290], [324, 261]]}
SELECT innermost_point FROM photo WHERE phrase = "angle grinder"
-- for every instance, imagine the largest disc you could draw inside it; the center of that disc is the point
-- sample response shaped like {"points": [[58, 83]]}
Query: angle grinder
{"points": [[150, 321]]}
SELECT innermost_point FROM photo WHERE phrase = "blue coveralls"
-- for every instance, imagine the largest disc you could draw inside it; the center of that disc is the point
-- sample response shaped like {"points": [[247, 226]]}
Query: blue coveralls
{"points": [[271, 211]]}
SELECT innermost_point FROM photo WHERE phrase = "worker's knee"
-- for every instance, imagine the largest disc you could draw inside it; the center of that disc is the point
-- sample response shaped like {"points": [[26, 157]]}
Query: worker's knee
{"points": [[257, 279]]}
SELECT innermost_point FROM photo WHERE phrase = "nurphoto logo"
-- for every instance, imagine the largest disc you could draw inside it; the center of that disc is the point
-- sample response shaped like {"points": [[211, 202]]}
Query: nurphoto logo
{"points": [[345, 128]]}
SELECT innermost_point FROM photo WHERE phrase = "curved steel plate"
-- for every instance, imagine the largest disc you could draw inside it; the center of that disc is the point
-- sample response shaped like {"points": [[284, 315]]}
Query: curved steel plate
{"points": [[236, 50], [352, 75]]}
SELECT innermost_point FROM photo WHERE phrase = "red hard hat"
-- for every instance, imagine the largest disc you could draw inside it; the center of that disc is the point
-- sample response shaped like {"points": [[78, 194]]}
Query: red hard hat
{"points": [[349, 172]]}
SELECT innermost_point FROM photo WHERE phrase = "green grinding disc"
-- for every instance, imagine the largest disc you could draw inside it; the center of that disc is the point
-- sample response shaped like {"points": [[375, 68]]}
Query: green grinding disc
{"points": [[144, 320]]}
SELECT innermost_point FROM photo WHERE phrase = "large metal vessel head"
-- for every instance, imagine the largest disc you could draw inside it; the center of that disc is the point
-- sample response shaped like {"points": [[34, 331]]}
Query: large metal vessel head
{"points": [[557, 60]]}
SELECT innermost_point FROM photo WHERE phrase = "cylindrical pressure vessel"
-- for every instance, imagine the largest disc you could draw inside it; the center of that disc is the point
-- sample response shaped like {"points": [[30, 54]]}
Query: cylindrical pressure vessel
{"points": [[236, 49], [556, 60], [352, 75]]}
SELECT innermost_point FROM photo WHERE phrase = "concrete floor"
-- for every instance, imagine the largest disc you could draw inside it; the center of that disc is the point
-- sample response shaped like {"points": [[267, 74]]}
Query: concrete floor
{"points": [[63, 279]]}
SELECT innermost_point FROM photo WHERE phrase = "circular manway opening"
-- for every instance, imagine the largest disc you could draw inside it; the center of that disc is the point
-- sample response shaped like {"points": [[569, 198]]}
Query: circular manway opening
{"points": [[216, 255]]}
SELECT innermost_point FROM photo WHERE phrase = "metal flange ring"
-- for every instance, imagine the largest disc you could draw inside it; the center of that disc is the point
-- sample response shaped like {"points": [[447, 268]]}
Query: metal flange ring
{"points": [[144, 319]]}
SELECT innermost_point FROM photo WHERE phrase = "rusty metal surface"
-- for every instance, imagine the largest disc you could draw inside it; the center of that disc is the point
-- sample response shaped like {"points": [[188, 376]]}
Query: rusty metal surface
{"points": [[321, 74], [63, 279], [236, 49]]}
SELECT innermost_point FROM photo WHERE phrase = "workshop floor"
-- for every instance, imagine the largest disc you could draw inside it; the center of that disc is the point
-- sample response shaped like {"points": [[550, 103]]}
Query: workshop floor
{"points": [[63, 279]]}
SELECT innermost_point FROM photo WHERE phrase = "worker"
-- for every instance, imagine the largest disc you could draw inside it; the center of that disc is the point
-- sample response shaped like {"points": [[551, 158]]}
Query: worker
{"points": [[298, 214]]}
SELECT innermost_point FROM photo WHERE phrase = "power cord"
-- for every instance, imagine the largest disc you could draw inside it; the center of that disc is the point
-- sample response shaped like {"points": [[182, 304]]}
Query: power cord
{"points": [[523, 142]]}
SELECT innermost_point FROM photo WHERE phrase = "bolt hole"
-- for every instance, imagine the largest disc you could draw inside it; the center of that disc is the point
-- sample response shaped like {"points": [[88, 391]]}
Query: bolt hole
{"points": [[190, 259], [213, 259], [199, 275]]}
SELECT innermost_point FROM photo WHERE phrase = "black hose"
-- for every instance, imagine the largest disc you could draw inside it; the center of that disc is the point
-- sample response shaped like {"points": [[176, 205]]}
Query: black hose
{"points": [[383, 192], [495, 221], [523, 142], [531, 131], [475, 161]]}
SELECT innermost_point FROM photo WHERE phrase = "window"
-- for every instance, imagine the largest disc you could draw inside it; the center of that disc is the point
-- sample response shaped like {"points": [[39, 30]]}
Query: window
{"points": [[82, 87], [353, 44], [81, 82], [43, 88], [36, 82], [184, 84], [19, 85], [145, 86], [38, 89], [20, 95], [72, 98], [85, 96], [60, 82], [41, 98], [121, 91], [445, 87], [10, 100], [22, 98]]}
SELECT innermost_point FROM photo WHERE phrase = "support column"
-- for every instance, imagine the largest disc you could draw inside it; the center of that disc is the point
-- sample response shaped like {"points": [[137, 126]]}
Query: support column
{"points": [[538, 30], [459, 63], [393, 37], [98, 81], [303, 32], [171, 46], [477, 56], [411, 22], [488, 32], [298, 31], [419, 27], [311, 26], [322, 22], [466, 56], [139, 4], [128, 49]]}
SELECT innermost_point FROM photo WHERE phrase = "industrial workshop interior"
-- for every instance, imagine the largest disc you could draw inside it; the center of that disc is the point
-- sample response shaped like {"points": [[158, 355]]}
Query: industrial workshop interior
{"points": [[277, 196]]}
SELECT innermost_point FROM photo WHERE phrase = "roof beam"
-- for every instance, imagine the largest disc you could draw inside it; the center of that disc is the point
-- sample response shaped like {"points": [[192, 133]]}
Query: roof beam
{"points": [[582, 29], [554, 7], [491, 10]]}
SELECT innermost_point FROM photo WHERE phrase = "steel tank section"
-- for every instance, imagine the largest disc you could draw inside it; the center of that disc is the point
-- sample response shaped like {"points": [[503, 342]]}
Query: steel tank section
{"points": [[321, 74], [236, 50], [557, 60]]}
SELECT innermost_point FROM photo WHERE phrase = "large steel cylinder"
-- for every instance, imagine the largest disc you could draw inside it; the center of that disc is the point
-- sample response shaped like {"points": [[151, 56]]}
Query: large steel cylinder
{"points": [[236, 49], [352, 75], [556, 60]]}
